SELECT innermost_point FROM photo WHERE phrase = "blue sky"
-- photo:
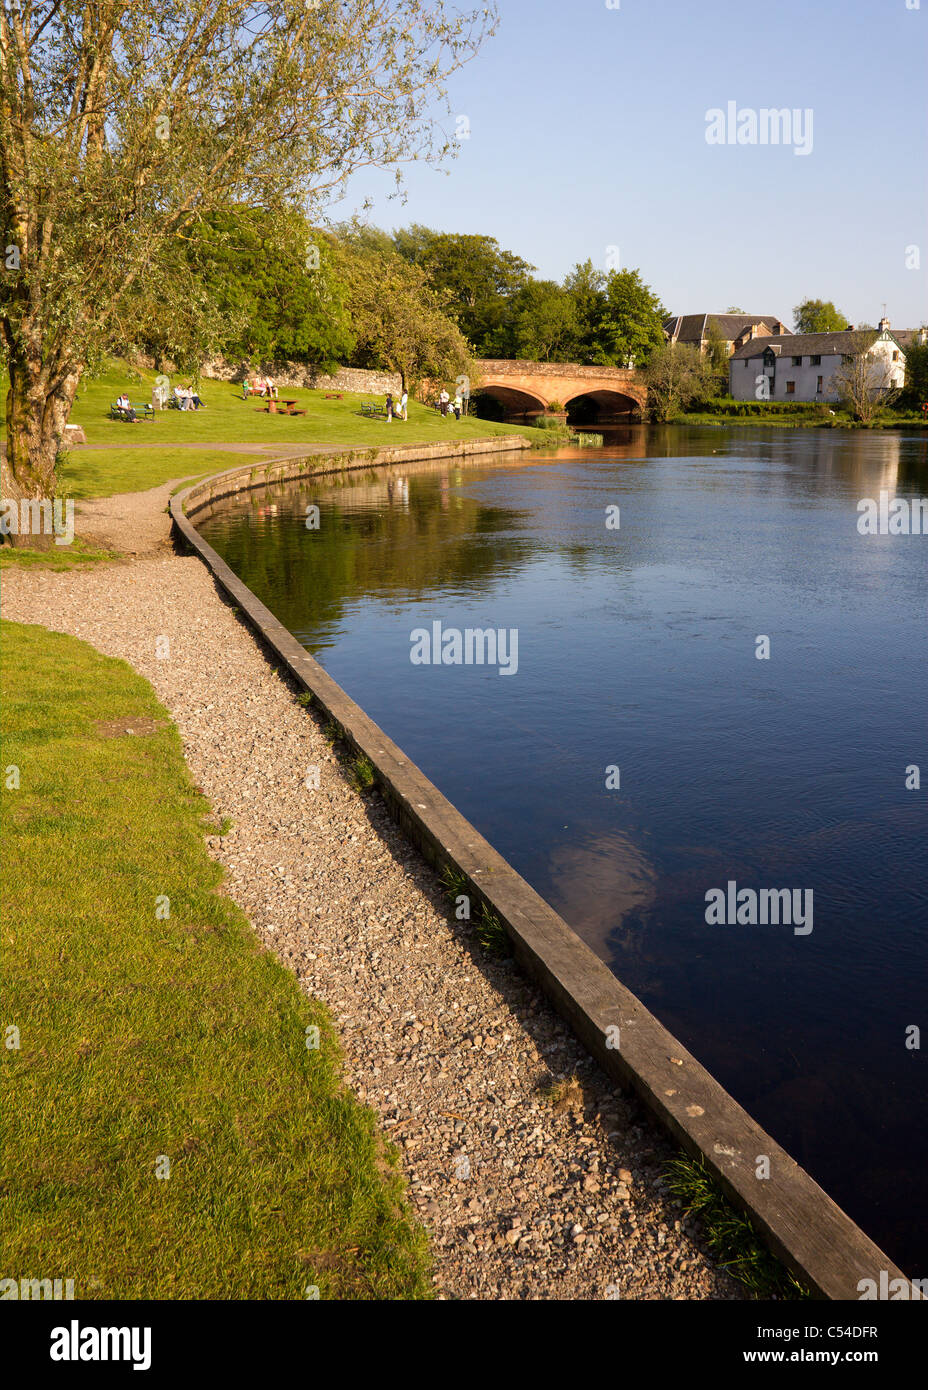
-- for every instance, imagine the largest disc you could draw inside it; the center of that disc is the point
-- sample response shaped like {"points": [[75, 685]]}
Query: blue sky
{"points": [[588, 131]]}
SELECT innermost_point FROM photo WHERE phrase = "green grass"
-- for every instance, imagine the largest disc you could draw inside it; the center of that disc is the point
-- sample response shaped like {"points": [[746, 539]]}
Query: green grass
{"points": [[730, 1235], [230, 420], [105, 472], [79, 554], [180, 1036], [362, 774], [490, 931]]}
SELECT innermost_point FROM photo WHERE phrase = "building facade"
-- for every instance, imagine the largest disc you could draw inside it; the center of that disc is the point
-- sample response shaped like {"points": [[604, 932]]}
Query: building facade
{"points": [[802, 366]]}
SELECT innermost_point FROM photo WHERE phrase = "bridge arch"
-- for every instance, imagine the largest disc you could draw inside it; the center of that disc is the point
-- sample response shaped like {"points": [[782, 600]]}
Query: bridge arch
{"points": [[494, 400], [602, 406]]}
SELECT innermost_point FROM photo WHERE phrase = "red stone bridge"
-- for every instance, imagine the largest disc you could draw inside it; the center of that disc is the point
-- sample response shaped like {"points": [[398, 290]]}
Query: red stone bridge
{"points": [[524, 389]]}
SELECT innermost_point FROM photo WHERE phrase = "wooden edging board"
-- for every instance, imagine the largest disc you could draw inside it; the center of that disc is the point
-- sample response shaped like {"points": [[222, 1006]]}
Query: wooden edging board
{"points": [[801, 1224]]}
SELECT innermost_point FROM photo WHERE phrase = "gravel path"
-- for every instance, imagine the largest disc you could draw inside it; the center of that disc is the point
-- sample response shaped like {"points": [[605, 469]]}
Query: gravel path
{"points": [[535, 1178]]}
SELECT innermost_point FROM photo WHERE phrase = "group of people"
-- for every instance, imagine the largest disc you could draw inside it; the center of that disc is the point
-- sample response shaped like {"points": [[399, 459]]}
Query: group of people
{"points": [[186, 398], [444, 401], [445, 405], [400, 410], [260, 386]]}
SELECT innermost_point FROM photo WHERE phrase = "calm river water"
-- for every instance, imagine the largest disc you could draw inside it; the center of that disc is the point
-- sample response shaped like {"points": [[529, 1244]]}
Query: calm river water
{"points": [[637, 650]]}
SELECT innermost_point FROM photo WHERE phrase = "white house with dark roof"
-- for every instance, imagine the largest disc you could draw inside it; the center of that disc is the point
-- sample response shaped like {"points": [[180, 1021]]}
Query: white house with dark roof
{"points": [[692, 330], [801, 366]]}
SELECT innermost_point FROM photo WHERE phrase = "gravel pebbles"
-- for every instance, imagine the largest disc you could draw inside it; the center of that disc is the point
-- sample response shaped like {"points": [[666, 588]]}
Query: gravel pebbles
{"points": [[534, 1176]]}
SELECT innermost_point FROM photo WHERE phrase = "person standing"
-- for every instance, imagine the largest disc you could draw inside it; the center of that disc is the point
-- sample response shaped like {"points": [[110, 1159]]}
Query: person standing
{"points": [[389, 406], [457, 407], [443, 400], [404, 403]]}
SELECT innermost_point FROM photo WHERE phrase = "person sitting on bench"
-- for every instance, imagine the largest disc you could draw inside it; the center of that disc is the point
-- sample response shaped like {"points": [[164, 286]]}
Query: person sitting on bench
{"points": [[123, 405]]}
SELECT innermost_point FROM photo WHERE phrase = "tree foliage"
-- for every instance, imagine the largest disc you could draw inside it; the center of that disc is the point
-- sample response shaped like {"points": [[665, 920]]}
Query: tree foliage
{"points": [[273, 282], [396, 318], [677, 374], [471, 276], [124, 124], [818, 316], [862, 381], [916, 374], [542, 323]]}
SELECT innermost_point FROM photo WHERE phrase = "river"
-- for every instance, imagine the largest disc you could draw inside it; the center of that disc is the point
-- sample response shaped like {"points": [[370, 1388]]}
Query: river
{"points": [[638, 650]]}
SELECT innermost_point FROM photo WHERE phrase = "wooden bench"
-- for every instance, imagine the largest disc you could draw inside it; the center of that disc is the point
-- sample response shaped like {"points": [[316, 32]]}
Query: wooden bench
{"points": [[333, 395]]}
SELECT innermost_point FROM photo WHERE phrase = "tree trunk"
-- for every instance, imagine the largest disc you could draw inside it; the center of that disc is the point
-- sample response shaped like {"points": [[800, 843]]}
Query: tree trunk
{"points": [[38, 403]]}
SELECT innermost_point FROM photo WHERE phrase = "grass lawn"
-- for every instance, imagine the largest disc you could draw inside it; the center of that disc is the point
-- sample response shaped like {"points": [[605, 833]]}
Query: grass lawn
{"points": [[104, 472], [78, 555], [230, 420], [145, 1038]]}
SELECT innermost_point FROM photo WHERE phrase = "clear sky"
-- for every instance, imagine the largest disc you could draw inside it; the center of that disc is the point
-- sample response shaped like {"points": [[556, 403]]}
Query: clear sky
{"points": [[588, 131]]}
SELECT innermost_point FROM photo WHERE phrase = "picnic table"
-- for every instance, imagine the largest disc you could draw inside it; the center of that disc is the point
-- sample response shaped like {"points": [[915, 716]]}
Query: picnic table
{"points": [[282, 407]]}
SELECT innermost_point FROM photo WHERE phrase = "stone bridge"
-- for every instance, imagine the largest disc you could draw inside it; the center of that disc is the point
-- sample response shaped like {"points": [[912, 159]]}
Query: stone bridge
{"points": [[589, 394]]}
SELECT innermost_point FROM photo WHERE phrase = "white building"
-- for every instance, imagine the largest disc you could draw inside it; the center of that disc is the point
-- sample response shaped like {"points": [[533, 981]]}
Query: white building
{"points": [[801, 366]]}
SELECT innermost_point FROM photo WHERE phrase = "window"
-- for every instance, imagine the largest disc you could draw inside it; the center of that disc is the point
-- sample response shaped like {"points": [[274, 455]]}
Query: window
{"points": [[791, 388], [818, 385], [896, 356], [797, 361], [815, 360]]}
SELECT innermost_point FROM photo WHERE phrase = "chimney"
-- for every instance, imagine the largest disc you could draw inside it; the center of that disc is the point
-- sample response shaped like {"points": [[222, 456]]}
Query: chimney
{"points": [[884, 324]]}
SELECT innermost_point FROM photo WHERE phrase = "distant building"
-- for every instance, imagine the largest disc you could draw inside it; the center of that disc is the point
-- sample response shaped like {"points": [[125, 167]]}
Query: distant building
{"points": [[693, 330], [801, 366]]}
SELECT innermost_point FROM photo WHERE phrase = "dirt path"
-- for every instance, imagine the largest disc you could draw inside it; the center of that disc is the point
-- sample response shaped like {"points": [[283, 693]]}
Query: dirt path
{"points": [[532, 1185], [134, 523]]}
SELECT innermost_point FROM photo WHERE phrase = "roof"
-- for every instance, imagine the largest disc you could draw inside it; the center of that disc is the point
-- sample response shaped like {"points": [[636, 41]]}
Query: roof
{"points": [[813, 344], [692, 328], [906, 337]]}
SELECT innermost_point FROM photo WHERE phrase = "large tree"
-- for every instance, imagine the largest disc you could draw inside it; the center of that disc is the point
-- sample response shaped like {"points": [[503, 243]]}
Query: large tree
{"points": [[586, 287], [542, 323], [472, 276], [863, 381], [916, 374], [818, 316], [395, 316], [632, 328], [272, 305], [123, 124], [677, 374]]}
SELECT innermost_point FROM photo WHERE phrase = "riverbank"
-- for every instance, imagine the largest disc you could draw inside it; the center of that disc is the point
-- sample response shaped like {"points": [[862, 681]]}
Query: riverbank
{"points": [[534, 1176], [800, 416]]}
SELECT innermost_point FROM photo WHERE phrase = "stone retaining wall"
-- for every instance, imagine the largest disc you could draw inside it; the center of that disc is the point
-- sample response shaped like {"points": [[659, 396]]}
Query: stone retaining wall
{"points": [[300, 374], [253, 475]]}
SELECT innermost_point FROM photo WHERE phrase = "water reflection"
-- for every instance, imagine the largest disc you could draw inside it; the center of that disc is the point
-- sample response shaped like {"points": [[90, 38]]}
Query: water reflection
{"points": [[636, 649]]}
